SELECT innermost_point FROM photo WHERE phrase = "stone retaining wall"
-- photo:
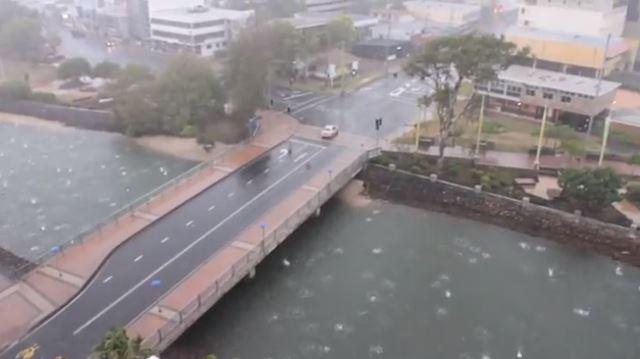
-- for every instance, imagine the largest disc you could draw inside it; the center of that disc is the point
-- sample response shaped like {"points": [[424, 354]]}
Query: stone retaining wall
{"points": [[618, 242]]}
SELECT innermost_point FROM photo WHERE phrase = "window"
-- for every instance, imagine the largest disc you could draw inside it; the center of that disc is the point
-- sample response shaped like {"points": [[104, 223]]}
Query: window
{"points": [[209, 46], [183, 38], [210, 35], [522, 11], [171, 23], [531, 92], [566, 99], [547, 95], [514, 91], [208, 24]]}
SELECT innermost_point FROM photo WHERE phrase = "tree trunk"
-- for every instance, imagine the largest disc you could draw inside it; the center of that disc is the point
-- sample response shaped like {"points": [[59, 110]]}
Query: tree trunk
{"points": [[441, 146]]}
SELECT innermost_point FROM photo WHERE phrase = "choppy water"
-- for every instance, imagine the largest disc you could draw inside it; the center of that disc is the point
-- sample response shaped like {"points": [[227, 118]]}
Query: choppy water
{"points": [[389, 281], [56, 183]]}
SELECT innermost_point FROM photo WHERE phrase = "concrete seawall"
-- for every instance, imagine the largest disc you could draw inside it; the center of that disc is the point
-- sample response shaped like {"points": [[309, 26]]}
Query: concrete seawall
{"points": [[617, 242]]}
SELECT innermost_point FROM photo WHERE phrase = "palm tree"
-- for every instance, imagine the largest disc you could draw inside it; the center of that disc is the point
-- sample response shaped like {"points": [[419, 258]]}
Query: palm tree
{"points": [[116, 344]]}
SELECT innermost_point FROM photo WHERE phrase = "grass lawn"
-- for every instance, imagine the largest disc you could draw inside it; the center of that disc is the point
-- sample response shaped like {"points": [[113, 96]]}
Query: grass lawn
{"points": [[38, 74]]}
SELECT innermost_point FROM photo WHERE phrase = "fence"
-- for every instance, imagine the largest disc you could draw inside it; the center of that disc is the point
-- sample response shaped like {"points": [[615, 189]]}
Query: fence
{"points": [[140, 203], [164, 336]]}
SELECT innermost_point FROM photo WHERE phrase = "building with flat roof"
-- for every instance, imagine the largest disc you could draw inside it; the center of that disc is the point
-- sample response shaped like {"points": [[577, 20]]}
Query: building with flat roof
{"points": [[310, 21], [327, 5], [593, 17], [445, 13], [199, 30], [526, 91], [578, 54]]}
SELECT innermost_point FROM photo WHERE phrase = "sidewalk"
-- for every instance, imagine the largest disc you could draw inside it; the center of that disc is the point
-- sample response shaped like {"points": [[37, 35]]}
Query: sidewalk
{"points": [[56, 281]]}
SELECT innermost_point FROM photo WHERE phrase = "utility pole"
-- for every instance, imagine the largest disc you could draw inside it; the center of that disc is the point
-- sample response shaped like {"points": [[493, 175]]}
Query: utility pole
{"points": [[480, 122], [600, 74], [536, 162], [342, 78], [2, 74], [605, 138], [423, 112], [378, 125]]}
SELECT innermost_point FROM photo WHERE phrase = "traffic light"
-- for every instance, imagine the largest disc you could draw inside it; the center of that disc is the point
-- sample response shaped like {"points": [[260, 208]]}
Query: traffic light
{"points": [[378, 123]]}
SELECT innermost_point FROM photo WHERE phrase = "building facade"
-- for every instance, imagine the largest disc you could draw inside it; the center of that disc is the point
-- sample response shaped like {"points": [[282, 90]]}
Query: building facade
{"points": [[199, 30], [595, 17], [444, 13], [569, 98]]}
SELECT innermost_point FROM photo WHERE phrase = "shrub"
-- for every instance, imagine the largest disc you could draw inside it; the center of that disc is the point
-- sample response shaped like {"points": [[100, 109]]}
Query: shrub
{"points": [[44, 97], [188, 131], [590, 189], [633, 192], [15, 90], [106, 70]]}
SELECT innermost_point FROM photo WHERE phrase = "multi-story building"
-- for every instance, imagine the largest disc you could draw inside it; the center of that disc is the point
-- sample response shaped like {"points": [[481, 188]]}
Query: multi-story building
{"points": [[569, 98], [585, 55], [449, 14], [199, 30], [587, 17], [327, 5]]}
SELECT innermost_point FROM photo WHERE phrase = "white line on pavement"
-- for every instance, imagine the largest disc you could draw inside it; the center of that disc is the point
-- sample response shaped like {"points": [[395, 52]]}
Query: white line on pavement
{"points": [[266, 170], [300, 157], [231, 194], [307, 143], [138, 258], [189, 223], [107, 279], [250, 181], [187, 248], [312, 105], [164, 239], [211, 208]]}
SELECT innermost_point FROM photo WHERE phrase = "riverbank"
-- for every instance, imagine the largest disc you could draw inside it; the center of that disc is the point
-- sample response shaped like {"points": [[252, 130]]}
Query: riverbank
{"points": [[179, 147], [586, 234]]}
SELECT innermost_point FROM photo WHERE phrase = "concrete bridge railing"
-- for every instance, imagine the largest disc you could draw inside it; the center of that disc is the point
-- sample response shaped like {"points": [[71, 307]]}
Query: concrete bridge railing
{"points": [[202, 302]]}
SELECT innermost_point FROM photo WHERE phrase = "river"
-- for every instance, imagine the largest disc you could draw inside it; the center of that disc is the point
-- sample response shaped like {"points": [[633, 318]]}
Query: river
{"points": [[389, 281], [57, 182]]}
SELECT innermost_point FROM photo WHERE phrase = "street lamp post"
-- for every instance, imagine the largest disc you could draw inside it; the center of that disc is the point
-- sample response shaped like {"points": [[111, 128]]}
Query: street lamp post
{"points": [[423, 111], [2, 74], [536, 162], [605, 138], [480, 122]]}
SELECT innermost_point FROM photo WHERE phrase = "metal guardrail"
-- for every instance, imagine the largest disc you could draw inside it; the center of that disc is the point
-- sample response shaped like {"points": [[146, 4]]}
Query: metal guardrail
{"points": [[204, 300], [137, 204]]}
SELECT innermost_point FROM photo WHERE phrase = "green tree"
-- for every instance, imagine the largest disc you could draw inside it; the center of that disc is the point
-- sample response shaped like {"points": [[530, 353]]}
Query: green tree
{"points": [[189, 95], [137, 111], [116, 344], [74, 68], [283, 41], [133, 74], [15, 90], [246, 72], [590, 190], [106, 69], [340, 31], [21, 39], [447, 62]]}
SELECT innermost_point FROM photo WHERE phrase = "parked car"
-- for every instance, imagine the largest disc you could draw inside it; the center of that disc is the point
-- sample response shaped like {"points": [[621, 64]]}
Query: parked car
{"points": [[329, 131]]}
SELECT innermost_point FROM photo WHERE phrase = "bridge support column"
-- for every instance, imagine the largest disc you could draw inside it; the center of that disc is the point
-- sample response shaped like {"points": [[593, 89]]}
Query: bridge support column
{"points": [[317, 213]]}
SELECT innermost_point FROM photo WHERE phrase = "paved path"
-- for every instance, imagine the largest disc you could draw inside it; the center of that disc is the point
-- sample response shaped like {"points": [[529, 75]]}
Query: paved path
{"points": [[56, 281]]}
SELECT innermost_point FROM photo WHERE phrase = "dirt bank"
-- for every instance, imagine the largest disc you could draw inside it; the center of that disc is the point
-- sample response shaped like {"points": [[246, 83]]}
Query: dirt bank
{"points": [[186, 148], [19, 120]]}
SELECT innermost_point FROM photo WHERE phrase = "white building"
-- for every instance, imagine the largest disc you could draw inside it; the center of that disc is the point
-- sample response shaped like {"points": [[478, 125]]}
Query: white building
{"points": [[327, 5], [593, 17], [444, 13], [198, 30]]}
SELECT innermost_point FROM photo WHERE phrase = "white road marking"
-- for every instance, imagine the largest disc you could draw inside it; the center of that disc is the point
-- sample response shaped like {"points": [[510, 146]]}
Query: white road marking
{"points": [[187, 248], [397, 92], [164, 240], [138, 258], [311, 105], [189, 223], [266, 170], [283, 155], [300, 157], [250, 181], [211, 208], [107, 279], [306, 143], [231, 194]]}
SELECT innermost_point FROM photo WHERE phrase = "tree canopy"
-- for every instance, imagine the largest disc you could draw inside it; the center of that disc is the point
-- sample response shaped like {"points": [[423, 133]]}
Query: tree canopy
{"points": [[133, 74], [182, 101], [340, 31], [106, 69], [21, 38], [74, 68], [588, 189], [116, 344], [448, 61]]}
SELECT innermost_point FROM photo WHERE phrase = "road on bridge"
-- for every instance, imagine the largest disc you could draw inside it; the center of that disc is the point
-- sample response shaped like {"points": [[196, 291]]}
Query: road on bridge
{"points": [[172, 247]]}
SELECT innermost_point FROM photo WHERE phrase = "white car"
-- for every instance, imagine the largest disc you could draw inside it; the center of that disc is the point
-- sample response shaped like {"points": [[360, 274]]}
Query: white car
{"points": [[329, 131]]}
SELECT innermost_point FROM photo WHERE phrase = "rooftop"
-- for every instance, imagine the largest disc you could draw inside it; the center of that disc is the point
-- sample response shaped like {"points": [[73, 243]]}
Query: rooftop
{"points": [[436, 5], [557, 80], [187, 15], [306, 20], [617, 45]]}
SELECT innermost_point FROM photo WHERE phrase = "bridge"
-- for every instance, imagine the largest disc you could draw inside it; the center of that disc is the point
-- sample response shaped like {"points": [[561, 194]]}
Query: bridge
{"points": [[169, 272]]}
